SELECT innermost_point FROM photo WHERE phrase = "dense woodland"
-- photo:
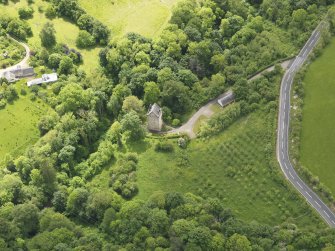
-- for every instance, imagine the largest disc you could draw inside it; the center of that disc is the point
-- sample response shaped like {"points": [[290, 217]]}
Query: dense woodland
{"points": [[210, 46]]}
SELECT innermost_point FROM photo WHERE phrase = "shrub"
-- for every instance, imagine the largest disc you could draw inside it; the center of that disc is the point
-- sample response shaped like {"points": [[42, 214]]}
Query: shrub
{"points": [[164, 146], [2, 104], [50, 12], [85, 40], [23, 92], [175, 122], [26, 12]]}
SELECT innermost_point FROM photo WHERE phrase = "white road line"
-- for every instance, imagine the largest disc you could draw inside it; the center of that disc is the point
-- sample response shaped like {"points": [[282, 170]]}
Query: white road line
{"points": [[282, 145], [299, 185], [333, 222], [326, 213], [317, 203], [309, 195], [285, 165], [291, 174]]}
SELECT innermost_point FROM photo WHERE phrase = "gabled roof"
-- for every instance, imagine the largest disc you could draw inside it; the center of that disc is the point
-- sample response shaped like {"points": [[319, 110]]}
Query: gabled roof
{"points": [[156, 110], [46, 78], [25, 72]]}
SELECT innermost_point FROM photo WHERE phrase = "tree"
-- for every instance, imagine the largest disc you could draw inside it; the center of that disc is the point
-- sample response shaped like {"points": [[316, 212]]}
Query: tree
{"points": [[48, 35], [131, 125], [151, 93], [65, 65], [84, 40], [132, 103], [25, 216], [76, 202], [26, 12], [238, 242], [176, 96]]}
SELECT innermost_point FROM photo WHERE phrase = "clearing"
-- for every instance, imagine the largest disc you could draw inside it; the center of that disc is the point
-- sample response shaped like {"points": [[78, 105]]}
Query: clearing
{"points": [[18, 127], [318, 134], [146, 17], [237, 166]]}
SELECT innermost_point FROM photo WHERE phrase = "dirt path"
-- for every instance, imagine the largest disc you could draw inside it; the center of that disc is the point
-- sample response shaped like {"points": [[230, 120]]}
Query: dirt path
{"points": [[208, 112], [23, 63]]}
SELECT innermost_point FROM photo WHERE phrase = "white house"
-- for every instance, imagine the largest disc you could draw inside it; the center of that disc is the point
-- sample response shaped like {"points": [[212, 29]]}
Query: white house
{"points": [[46, 78]]}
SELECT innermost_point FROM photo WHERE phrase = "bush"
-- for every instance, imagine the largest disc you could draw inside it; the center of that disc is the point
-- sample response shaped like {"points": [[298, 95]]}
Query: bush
{"points": [[164, 146], [50, 12], [175, 122], [85, 40], [23, 92], [2, 104], [26, 12]]}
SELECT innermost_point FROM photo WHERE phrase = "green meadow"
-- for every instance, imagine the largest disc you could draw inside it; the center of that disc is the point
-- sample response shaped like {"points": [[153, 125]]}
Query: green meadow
{"points": [[237, 166], [66, 32], [146, 17], [18, 123], [318, 134]]}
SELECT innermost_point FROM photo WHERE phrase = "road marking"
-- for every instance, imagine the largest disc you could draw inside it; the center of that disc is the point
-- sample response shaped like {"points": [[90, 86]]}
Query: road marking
{"points": [[299, 184], [309, 195], [317, 203], [333, 222], [282, 145], [326, 213], [285, 165], [284, 102], [291, 174]]}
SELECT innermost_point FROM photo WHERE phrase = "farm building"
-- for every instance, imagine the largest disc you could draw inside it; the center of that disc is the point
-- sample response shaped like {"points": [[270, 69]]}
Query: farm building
{"points": [[226, 98], [46, 78], [16, 74], [155, 121]]}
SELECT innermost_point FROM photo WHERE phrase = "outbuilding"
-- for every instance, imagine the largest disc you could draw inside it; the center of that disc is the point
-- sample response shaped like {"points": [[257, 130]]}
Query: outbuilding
{"points": [[46, 78]]}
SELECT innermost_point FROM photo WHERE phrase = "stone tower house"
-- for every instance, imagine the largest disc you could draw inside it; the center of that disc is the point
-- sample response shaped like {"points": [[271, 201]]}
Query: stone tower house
{"points": [[155, 121]]}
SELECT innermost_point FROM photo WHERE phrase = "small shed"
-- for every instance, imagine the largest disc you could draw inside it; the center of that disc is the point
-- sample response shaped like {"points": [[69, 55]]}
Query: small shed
{"points": [[226, 98], [155, 121]]}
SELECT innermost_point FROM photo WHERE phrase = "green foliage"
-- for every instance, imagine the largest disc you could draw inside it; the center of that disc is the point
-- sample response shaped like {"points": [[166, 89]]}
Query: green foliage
{"points": [[48, 35], [85, 40], [164, 146], [26, 12], [221, 121]]}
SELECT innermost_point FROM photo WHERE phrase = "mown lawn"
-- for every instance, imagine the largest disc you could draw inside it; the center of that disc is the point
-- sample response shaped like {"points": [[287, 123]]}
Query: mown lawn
{"points": [[66, 32], [146, 17], [318, 133], [234, 166], [18, 123]]}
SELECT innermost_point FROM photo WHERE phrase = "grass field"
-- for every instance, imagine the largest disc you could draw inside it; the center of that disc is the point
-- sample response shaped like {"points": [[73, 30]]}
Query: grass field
{"points": [[66, 32], [232, 166], [146, 17], [318, 134], [18, 123]]}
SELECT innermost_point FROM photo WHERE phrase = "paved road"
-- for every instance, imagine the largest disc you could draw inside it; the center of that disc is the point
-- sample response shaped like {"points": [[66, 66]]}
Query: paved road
{"points": [[283, 132], [23, 63]]}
